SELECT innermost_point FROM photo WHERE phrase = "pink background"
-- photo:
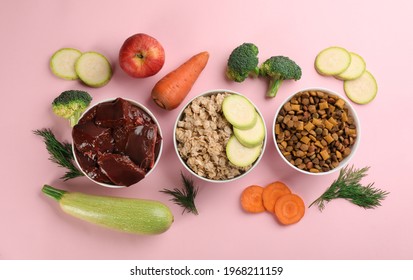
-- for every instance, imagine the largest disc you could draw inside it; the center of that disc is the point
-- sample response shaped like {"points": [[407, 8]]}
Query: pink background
{"points": [[33, 227]]}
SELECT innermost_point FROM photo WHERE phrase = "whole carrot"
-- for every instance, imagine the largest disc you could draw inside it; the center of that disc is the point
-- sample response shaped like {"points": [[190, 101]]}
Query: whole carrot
{"points": [[171, 90]]}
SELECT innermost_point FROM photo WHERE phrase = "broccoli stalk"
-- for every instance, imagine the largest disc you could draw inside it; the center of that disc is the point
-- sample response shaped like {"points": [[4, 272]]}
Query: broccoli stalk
{"points": [[243, 62], [277, 69], [71, 104]]}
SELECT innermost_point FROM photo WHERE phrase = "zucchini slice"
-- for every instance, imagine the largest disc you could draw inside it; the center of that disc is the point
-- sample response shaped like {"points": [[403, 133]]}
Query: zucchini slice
{"points": [[93, 69], [361, 90], [62, 63], [355, 70], [253, 136], [332, 61], [239, 111], [240, 155]]}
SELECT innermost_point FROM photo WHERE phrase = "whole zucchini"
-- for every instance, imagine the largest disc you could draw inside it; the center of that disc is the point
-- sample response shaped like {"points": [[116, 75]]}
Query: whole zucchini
{"points": [[138, 216]]}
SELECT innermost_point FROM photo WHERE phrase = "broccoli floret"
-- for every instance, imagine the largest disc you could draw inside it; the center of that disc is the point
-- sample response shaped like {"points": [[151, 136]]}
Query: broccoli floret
{"points": [[71, 104], [277, 69], [243, 62]]}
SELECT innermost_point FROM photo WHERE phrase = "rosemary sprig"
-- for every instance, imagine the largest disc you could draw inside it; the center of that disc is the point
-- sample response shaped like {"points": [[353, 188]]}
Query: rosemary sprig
{"points": [[347, 186], [60, 153], [184, 197]]}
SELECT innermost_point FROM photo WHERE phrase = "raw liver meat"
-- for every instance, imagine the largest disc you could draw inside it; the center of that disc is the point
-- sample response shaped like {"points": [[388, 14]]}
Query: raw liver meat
{"points": [[141, 145], [116, 143], [91, 139], [120, 169], [113, 114]]}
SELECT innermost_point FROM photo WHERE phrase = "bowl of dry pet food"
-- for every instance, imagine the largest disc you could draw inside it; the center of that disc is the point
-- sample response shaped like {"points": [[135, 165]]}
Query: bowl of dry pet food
{"points": [[219, 136], [117, 142], [316, 131]]}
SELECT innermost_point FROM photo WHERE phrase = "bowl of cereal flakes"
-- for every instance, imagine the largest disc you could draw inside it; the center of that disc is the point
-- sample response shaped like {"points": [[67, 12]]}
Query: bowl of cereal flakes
{"points": [[219, 136], [316, 131]]}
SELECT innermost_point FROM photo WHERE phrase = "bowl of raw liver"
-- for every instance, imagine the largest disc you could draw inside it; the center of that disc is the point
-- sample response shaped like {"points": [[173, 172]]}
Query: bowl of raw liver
{"points": [[117, 142]]}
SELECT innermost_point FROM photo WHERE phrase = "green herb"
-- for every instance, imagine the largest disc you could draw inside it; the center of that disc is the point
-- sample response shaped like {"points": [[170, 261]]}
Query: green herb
{"points": [[60, 153], [184, 197], [347, 186]]}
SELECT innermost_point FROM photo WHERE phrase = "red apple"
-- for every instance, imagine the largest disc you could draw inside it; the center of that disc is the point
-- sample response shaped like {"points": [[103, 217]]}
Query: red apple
{"points": [[141, 56]]}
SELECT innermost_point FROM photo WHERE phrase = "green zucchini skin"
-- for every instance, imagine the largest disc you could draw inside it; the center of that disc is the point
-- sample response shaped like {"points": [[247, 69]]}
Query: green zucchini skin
{"points": [[131, 215]]}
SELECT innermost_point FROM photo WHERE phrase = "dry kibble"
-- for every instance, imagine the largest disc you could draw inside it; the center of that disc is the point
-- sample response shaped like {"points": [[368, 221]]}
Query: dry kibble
{"points": [[323, 105], [315, 131], [309, 126], [304, 147], [328, 138], [324, 154], [305, 139], [340, 103]]}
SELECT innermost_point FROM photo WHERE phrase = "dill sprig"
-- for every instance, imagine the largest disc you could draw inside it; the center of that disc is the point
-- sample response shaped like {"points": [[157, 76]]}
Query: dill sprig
{"points": [[184, 197], [60, 153], [347, 186]]}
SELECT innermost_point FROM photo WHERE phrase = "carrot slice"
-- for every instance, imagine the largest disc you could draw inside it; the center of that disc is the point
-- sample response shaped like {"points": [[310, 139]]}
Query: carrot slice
{"points": [[272, 192], [289, 209], [251, 199]]}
